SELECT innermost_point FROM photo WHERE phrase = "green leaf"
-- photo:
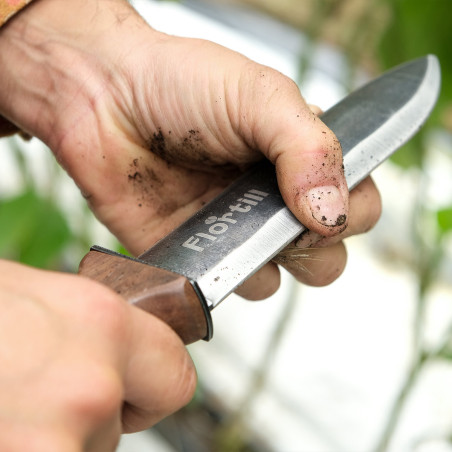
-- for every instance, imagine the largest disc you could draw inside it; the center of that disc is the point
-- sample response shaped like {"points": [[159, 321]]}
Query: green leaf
{"points": [[446, 355], [419, 27], [408, 156], [444, 219], [120, 249], [32, 230]]}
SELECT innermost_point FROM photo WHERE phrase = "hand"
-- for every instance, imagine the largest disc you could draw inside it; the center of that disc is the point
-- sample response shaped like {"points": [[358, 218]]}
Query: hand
{"points": [[320, 260], [151, 127], [80, 365]]}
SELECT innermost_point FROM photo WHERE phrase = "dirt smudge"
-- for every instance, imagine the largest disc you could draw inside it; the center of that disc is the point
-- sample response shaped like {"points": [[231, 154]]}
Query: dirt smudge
{"points": [[190, 150]]}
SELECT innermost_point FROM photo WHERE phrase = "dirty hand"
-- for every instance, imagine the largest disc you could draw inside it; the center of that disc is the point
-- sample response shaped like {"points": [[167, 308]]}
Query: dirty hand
{"points": [[79, 365], [152, 126]]}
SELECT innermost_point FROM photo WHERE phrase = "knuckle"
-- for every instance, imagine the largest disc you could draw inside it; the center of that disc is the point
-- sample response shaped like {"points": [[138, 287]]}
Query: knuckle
{"points": [[315, 109], [104, 308], [269, 85]]}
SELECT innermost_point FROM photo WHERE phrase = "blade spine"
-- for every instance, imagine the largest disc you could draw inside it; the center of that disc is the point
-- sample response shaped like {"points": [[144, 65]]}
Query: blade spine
{"points": [[431, 77], [427, 81], [431, 62]]}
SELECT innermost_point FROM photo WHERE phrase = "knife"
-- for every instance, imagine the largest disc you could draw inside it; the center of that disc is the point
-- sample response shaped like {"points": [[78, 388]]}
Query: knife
{"points": [[190, 271]]}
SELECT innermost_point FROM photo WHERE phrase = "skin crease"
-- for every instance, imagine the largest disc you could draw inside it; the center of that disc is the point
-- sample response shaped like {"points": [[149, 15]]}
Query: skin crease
{"points": [[150, 127]]}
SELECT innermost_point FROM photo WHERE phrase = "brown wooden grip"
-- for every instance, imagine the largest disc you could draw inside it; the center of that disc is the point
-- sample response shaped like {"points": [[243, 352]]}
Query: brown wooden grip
{"points": [[168, 296]]}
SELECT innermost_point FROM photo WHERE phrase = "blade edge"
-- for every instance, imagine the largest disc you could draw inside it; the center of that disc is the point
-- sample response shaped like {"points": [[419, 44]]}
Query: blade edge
{"points": [[357, 167]]}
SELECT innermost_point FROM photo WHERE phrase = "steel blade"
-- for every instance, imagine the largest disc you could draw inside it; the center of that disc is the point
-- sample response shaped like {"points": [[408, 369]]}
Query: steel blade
{"points": [[248, 224]]}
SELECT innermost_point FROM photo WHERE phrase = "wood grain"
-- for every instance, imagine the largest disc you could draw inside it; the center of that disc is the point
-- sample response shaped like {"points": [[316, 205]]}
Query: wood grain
{"points": [[167, 295]]}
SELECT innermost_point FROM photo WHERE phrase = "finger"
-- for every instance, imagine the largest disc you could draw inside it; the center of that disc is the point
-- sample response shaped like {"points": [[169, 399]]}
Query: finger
{"points": [[306, 153], [365, 210], [105, 438], [160, 376], [315, 109], [314, 266], [262, 284]]}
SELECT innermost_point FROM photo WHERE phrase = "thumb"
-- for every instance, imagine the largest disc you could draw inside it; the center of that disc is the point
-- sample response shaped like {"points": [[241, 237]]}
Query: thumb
{"points": [[306, 153]]}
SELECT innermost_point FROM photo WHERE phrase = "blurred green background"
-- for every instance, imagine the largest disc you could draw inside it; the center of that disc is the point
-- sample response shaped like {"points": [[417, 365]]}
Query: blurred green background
{"points": [[40, 227]]}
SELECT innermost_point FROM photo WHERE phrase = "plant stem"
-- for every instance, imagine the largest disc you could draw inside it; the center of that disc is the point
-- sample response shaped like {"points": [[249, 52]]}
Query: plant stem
{"points": [[230, 437], [399, 403], [427, 261], [318, 14], [422, 358]]}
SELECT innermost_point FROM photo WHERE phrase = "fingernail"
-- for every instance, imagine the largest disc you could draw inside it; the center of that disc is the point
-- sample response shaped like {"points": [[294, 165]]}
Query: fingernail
{"points": [[327, 205]]}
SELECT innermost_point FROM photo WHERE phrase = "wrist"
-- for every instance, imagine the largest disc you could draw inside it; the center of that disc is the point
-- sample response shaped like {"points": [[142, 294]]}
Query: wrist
{"points": [[55, 59]]}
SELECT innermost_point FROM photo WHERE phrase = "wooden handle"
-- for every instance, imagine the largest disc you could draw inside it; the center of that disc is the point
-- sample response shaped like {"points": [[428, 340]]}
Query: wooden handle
{"points": [[167, 295]]}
